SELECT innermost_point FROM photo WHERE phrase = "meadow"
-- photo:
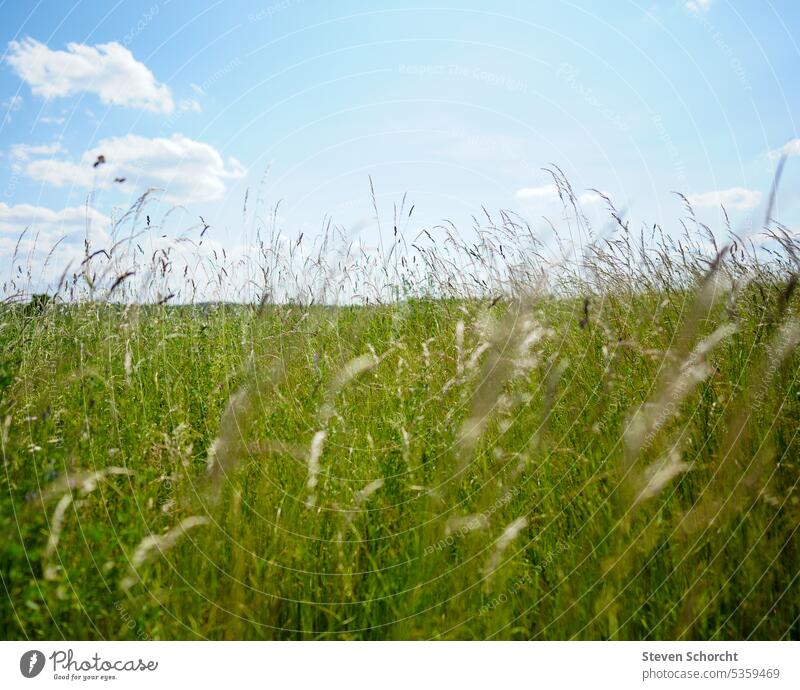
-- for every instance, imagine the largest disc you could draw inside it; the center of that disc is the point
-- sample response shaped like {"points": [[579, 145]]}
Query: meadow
{"points": [[478, 443]]}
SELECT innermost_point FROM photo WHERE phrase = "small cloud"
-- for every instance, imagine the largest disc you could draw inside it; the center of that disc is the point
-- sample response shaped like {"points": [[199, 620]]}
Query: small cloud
{"points": [[790, 148], [698, 6], [108, 70], [735, 197], [197, 89], [548, 191]]}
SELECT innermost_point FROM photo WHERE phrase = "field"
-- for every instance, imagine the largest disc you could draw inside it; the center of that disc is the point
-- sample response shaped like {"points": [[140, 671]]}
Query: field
{"points": [[495, 450]]}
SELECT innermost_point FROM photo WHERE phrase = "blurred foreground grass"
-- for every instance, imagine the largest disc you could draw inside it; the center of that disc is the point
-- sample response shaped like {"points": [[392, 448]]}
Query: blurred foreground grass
{"points": [[455, 468]]}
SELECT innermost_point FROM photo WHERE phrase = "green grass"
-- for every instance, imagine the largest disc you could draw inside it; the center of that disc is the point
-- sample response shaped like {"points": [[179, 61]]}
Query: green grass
{"points": [[492, 446], [608, 548]]}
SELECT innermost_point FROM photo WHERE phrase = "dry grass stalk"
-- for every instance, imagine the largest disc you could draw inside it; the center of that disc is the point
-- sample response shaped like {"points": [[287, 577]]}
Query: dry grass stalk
{"points": [[153, 545], [510, 343], [352, 369], [84, 482], [56, 525], [731, 480], [226, 451], [657, 475], [651, 417], [509, 534]]}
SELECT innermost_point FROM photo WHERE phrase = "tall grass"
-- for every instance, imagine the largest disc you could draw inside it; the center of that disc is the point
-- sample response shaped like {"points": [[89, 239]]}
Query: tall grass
{"points": [[450, 439]]}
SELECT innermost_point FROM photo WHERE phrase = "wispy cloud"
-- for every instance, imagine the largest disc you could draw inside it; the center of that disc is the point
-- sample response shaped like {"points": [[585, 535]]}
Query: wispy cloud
{"points": [[698, 6], [547, 191], [52, 120], [108, 70], [735, 197]]}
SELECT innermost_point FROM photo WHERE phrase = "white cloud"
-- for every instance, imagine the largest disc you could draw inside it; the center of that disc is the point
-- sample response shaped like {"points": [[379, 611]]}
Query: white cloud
{"points": [[108, 70], [189, 104], [698, 6], [790, 148], [52, 120], [185, 169], [590, 197], [736, 197], [548, 191]]}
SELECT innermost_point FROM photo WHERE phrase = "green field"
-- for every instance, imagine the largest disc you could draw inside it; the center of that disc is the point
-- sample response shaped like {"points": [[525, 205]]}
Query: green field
{"points": [[613, 455]]}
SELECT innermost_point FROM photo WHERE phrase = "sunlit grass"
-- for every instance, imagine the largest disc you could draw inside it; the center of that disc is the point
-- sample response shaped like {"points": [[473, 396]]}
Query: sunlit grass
{"points": [[615, 455]]}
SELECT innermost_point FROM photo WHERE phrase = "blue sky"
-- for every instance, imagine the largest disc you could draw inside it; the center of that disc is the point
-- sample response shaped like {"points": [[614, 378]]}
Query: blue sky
{"points": [[458, 104]]}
